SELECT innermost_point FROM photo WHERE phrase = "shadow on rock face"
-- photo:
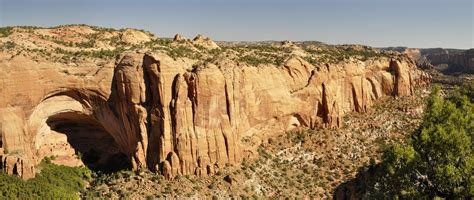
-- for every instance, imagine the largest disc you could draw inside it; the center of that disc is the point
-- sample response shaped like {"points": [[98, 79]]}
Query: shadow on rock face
{"points": [[92, 143]]}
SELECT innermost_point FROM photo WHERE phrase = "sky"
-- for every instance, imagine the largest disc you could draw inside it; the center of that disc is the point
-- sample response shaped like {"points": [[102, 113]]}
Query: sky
{"points": [[378, 23]]}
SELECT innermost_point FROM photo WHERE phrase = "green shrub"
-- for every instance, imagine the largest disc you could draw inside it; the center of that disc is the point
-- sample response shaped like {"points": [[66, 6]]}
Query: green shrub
{"points": [[254, 61], [53, 182], [5, 31], [181, 51], [95, 54], [9, 45], [337, 54], [439, 160], [116, 41], [88, 44]]}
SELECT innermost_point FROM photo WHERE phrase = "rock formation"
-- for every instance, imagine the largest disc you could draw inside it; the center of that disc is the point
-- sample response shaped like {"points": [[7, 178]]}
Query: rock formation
{"points": [[148, 110], [449, 60], [132, 36], [205, 42], [463, 60], [179, 38], [165, 118]]}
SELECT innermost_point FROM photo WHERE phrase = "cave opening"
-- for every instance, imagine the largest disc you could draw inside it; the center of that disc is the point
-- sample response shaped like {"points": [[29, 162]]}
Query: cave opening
{"points": [[92, 143]]}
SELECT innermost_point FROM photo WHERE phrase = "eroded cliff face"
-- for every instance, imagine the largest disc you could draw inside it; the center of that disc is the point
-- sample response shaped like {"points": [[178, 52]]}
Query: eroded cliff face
{"points": [[444, 60], [150, 111], [461, 60]]}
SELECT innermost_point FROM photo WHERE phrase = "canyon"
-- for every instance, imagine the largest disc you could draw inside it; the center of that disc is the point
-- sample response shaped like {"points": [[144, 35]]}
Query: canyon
{"points": [[126, 99], [444, 60]]}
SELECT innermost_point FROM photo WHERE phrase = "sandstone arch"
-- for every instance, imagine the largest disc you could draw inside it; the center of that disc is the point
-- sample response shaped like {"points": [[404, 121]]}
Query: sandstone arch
{"points": [[69, 121]]}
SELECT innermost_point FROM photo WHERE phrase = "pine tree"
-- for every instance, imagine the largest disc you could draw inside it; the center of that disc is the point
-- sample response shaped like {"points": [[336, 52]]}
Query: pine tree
{"points": [[439, 159]]}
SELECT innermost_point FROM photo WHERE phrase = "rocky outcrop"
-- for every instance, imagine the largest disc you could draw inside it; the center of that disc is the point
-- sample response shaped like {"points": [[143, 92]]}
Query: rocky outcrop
{"points": [[180, 38], [205, 42], [461, 60], [154, 112], [445, 60], [131, 36]]}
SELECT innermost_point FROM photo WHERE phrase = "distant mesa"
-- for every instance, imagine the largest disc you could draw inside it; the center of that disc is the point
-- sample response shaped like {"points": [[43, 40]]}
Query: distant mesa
{"points": [[445, 60]]}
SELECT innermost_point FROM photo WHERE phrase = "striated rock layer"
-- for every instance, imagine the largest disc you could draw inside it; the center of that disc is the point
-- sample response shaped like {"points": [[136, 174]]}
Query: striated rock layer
{"points": [[448, 60], [463, 60], [150, 111]]}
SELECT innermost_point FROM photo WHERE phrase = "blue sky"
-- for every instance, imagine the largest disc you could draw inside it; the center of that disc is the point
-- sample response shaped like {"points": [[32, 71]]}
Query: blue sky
{"points": [[379, 23]]}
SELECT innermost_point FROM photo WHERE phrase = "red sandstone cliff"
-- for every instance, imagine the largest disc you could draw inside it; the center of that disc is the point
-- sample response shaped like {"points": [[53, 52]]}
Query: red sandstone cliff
{"points": [[152, 111]]}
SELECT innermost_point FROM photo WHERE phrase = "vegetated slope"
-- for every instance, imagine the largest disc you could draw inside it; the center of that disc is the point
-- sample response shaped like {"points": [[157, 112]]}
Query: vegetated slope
{"points": [[52, 182], [437, 161], [80, 43]]}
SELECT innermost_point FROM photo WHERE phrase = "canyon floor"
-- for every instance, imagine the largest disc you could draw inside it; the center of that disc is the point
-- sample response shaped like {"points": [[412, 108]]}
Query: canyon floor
{"points": [[299, 164]]}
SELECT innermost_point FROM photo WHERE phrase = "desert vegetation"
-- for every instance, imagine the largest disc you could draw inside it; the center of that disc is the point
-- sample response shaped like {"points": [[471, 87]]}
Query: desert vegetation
{"points": [[5, 31], [438, 159], [107, 43], [52, 182]]}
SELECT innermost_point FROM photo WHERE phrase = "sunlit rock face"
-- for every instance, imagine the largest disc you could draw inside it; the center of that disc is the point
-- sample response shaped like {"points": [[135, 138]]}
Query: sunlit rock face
{"points": [[150, 111]]}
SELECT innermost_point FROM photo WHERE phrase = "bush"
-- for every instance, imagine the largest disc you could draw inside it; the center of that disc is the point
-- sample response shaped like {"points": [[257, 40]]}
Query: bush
{"points": [[94, 54], [53, 182], [181, 51], [9, 45], [88, 44], [439, 160], [5, 31], [255, 61]]}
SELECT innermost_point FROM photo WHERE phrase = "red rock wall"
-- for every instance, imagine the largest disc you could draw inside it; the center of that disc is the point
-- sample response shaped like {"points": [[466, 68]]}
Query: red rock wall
{"points": [[171, 118]]}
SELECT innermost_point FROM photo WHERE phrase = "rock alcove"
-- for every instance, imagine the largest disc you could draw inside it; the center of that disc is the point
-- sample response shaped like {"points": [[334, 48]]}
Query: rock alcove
{"points": [[77, 128], [92, 143]]}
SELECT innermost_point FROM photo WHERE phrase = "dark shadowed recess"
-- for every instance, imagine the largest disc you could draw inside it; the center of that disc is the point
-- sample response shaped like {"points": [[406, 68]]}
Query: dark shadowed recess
{"points": [[92, 143]]}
